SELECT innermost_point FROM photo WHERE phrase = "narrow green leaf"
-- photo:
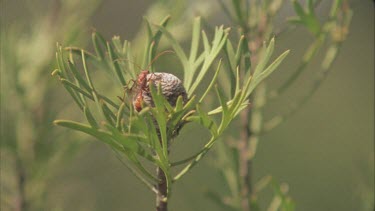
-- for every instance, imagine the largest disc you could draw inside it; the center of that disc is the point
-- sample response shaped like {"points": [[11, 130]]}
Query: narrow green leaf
{"points": [[174, 120], [223, 103], [229, 78], [56, 72], [119, 115], [299, 9], [219, 109], [74, 96], [99, 45], [128, 56], [190, 103], [265, 57], [334, 8], [206, 121], [236, 106], [213, 81], [179, 104], [78, 76], [198, 62], [116, 41], [313, 24], [231, 56], [100, 135], [130, 142], [76, 88], [151, 132], [210, 57], [310, 6], [241, 47], [78, 52], [109, 115], [98, 104], [90, 118], [60, 63], [115, 64], [148, 29], [237, 81], [156, 38], [206, 43], [88, 78], [246, 54], [160, 117], [195, 39], [225, 117], [238, 11], [131, 145], [266, 72]]}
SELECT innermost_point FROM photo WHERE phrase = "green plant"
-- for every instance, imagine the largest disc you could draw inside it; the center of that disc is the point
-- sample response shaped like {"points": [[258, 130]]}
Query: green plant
{"points": [[146, 136]]}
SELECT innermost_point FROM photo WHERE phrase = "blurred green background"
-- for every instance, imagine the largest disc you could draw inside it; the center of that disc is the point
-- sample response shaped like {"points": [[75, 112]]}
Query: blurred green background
{"points": [[325, 153]]}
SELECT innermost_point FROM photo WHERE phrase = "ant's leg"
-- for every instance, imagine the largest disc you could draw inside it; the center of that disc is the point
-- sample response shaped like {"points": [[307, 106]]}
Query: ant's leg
{"points": [[132, 86], [122, 99]]}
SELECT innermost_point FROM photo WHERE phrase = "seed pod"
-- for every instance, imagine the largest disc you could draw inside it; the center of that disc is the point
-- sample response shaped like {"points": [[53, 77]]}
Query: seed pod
{"points": [[171, 88]]}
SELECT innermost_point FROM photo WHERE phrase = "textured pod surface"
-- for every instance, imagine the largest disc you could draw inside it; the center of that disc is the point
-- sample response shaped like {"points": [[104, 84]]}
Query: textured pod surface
{"points": [[171, 88]]}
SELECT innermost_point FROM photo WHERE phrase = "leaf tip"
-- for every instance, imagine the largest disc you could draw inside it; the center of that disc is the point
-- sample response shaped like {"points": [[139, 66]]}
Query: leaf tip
{"points": [[272, 40], [55, 72], [56, 122]]}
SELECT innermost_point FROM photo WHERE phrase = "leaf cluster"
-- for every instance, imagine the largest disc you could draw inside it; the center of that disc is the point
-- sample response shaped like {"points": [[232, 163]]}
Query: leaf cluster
{"points": [[145, 136]]}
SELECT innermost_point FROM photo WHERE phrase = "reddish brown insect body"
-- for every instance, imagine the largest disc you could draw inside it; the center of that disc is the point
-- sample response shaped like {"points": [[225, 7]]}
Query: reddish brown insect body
{"points": [[142, 86]]}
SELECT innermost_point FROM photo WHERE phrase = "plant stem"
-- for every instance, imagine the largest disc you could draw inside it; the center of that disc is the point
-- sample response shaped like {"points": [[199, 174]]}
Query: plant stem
{"points": [[161, 195], [245, 163], [21, 203], [161, 187]]}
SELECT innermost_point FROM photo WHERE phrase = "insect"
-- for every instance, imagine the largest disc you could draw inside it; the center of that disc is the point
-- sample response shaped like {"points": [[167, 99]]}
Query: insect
{"points": [[140, 84]]}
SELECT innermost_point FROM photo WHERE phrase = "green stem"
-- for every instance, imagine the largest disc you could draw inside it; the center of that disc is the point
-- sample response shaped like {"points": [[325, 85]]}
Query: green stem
{"points": [[162, 191], [161, 187]]}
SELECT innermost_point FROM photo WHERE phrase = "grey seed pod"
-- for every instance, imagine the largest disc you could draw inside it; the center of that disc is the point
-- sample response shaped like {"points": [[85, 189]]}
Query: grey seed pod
{"points": [[171, 88]]}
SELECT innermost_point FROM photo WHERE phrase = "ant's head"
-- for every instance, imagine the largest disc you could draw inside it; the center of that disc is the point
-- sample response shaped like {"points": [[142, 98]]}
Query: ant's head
{"points": [[142, 76]]}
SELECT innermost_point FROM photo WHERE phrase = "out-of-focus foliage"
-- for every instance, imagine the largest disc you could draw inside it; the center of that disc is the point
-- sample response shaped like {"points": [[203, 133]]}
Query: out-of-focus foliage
{"points": [[31, 151], [255, 20]]}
